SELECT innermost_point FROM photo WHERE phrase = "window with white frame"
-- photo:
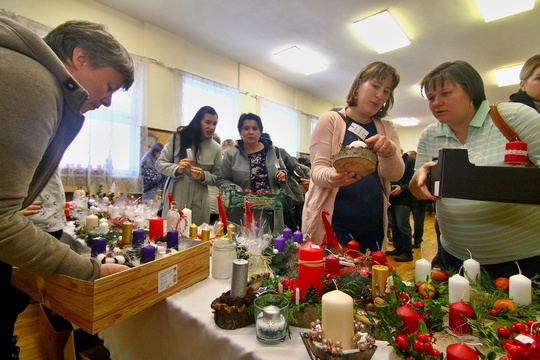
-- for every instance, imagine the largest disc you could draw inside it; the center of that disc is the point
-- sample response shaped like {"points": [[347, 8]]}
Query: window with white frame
{"points": [[198, 92], [282, 123], [313, 121]]}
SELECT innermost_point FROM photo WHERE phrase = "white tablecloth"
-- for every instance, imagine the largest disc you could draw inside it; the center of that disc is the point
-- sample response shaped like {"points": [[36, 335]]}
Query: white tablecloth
{"points": [[182, 328]]}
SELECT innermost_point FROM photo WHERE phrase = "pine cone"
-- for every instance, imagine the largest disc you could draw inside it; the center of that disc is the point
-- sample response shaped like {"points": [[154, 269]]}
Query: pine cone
{"points": [[328, 286], [311, 295]]}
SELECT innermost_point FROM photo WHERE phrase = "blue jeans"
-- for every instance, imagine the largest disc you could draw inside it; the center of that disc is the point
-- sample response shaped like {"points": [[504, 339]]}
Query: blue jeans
{"points": [[529, 266], [401, 227]]}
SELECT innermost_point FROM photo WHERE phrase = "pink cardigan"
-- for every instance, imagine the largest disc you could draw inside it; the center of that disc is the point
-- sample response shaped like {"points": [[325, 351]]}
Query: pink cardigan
{"points": [[326, 141]]}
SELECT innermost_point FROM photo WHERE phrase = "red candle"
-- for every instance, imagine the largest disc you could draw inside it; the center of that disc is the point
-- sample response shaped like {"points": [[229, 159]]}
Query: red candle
{"points": [[332, 264], [222, 214], [248, 216], [378, 258], [310, 267], [460, 352], [456, 321], [155, 227], [410, 319]]}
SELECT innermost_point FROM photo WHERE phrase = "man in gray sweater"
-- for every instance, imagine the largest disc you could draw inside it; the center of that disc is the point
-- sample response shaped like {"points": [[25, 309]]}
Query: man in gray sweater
{"points": [[45, 87]]}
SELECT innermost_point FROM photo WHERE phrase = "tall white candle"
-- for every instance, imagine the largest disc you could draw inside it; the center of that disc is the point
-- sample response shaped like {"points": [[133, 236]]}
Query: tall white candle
{"points": [[337, 318], [458, 289], [422, 270], [520, 290], [186, 221], [91, 222], [471, 269]]}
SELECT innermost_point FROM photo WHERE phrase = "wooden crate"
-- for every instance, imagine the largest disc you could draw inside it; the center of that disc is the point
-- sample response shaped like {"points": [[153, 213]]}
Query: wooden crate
{"points": [[95, 306]]}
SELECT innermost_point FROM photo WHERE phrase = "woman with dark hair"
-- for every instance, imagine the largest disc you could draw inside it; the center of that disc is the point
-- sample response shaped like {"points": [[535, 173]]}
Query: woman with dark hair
{"points": [[357, 205], [529, 92], [252, 164], [191, 158], [497, 234], [153, 180]]}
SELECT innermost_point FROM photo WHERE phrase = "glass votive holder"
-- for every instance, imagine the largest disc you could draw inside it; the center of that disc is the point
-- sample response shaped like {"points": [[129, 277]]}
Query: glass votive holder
{"points": [[271, 312]]}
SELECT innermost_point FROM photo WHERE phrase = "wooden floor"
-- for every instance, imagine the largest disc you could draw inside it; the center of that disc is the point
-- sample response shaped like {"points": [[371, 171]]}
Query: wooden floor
{"points": [[27, 326]]}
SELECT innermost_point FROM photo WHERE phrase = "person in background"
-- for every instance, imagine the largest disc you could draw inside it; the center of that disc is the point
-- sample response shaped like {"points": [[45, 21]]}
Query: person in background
{"points": [[227, 144], [357, 205], [497, 234], [252, 164], [529, 92], [153, 180], [213, 192], [401, 203], [191, 158], [419, 214], [46, 85]]}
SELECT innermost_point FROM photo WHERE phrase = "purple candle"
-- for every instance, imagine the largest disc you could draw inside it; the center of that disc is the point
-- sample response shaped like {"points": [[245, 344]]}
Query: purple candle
{"points": [[298, 236], [138, 238], [172, 239], [148, 253], [99, 245], [279, 243], [287, 233]]}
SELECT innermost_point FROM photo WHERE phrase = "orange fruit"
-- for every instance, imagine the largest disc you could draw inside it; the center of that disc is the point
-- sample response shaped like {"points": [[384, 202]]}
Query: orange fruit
{"points": [[504, 303], [502, 284], [438, 275], [426, 290]]}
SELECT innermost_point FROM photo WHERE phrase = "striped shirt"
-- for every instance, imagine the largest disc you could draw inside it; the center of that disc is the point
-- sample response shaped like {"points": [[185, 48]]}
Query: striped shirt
{"points": [[494, 232]]}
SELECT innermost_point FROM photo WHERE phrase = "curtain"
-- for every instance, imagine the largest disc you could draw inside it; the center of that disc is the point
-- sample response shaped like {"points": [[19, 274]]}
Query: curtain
{"points": [[282, 123]]}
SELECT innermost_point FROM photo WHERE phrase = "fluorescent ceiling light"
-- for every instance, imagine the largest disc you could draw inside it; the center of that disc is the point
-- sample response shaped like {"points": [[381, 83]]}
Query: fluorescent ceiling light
{"points": [[497, 9], [382, 32], [300, 61], [406, 121], [508, 76]]}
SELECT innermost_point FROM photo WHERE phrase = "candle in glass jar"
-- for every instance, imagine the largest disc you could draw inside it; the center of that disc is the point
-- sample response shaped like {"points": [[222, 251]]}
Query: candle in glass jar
{"points": [[471, 269], [520, 290], [310, 267], [98, 246], [422, 270], [338, 318], [148, 253], [155, 227], [458, 289], [279, 243], [456, 321]]}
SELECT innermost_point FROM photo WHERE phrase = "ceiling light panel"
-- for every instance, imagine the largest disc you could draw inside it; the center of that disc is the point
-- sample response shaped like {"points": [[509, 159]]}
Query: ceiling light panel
{"points": [[498, 9], [508, 75], [302, 61], [382, 32]]}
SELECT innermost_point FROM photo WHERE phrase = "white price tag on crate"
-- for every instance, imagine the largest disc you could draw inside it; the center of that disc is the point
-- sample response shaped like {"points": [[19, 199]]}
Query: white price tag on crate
{"points": [[167, 278]]}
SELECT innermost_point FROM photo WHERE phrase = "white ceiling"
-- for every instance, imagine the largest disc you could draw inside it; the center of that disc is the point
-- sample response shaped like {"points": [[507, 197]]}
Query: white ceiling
{"points": [[250, 31]]}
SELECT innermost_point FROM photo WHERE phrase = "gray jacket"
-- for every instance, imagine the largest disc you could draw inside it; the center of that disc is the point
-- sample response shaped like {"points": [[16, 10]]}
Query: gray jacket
{"points": [[39, 117], [186, 191], [235, 167]]}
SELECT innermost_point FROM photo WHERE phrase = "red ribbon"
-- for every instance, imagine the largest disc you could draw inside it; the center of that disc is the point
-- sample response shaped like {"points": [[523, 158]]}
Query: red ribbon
{"points": [[248, 216], [330, 237]]}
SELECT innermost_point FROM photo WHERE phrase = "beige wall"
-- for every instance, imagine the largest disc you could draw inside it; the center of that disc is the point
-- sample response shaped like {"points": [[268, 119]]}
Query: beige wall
{"points": [[174, 52]]}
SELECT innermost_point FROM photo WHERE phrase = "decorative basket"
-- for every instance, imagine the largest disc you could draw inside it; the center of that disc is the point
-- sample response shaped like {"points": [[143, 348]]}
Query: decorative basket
{"points": [[315, 353]]}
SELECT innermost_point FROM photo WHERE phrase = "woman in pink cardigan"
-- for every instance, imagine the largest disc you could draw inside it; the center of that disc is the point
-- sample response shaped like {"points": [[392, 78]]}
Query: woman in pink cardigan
{"points": [[357, 205]]}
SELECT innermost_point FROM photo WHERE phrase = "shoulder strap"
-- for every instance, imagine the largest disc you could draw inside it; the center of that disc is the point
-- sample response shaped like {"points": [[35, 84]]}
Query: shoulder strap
{"points": [[501, 123], [348, 122], [504, 127]]}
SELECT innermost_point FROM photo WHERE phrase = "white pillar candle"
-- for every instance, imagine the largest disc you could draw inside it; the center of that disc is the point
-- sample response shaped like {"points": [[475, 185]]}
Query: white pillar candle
{"points": [[185, 222], [458, 289], [337, 318], [91, 222], [422, 270], [520, 290], [471, 269]]}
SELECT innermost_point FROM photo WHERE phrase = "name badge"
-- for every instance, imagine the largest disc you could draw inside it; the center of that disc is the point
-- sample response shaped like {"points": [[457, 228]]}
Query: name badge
{"points": [[358, 130]]}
